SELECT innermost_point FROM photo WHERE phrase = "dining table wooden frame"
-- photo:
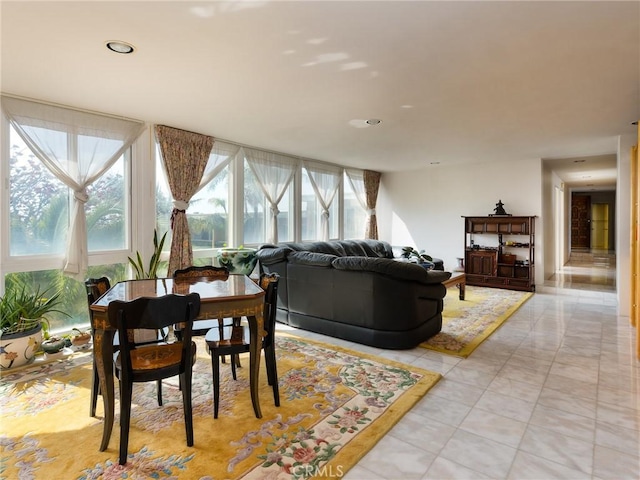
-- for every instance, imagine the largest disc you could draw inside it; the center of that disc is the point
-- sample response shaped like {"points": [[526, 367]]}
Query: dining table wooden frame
{"points": [[237, 296]]}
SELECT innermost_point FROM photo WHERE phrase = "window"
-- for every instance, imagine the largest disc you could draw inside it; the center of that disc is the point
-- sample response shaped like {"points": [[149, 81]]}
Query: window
{"points": [[39, 211], [257, 212], [208, 212], [355, 216], [39, 215], [38, 204], [37, 207], [312, 213]]}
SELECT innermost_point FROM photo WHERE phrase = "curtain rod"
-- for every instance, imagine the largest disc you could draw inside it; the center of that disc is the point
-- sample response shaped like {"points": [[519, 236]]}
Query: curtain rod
{"points": [[82, 110]]}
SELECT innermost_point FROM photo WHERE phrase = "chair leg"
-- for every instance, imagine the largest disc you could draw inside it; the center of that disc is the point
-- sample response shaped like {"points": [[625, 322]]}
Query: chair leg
{"points": [[236, 357], [221, 335], [215, 366], [159, 391], [126, 391], [272, 373], [233, 367], [95, 389], [186, 405]]}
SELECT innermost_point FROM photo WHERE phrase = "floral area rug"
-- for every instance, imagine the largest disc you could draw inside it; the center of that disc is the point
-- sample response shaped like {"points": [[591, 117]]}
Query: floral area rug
{"points": [[467, 323], [335, 405]]}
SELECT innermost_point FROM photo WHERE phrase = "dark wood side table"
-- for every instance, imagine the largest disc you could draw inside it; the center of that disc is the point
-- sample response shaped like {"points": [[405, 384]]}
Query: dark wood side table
{"points": [[458, 279]]}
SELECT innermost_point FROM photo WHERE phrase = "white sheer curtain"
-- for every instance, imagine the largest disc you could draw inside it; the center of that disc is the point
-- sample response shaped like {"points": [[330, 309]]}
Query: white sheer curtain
{"points": [[78, 148], [325, 180], [356, 180], [221, 154], [273, 172]]}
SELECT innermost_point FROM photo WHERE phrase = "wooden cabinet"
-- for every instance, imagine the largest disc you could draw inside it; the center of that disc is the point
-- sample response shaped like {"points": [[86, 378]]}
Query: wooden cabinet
{"points": [[500, 252]]}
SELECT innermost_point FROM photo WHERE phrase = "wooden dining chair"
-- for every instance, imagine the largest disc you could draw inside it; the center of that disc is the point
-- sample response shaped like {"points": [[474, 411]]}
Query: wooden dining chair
{"points": [[96, 287], [235, 339], [201, 327], [148, 362]]}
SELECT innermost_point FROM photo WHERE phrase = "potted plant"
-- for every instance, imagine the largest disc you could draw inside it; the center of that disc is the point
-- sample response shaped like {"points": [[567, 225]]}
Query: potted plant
{"points": [[419, 257], [53, 344], [80, 337], [154, 262], [23, 320], [239, 260]]}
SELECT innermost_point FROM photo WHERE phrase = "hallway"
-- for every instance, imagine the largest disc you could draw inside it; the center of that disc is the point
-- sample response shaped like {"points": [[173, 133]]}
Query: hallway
{"points": [[587, 270]]}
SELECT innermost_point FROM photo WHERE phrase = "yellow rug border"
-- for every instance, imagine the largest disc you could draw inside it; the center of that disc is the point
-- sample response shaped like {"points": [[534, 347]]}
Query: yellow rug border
{"points": [[375, 432], [475, 343]]}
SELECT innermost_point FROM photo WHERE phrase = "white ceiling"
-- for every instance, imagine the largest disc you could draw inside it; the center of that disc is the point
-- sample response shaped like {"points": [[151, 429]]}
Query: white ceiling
{"points": [[453, 82]]}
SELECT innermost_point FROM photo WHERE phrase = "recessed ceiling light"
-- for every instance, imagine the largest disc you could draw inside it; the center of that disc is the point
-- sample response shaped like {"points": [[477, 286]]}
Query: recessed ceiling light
{"points": [[374, 121], [120, 47]]}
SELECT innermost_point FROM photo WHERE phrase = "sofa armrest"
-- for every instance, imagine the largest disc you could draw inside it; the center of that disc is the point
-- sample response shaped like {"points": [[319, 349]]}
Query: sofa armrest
{"points": [[312, 259], [391, 268], [271, 254]]}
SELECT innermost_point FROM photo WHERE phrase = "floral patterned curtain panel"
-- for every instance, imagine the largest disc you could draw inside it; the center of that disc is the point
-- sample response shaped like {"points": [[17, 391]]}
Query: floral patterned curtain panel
{"points": [[371, 186], [185, 156]]}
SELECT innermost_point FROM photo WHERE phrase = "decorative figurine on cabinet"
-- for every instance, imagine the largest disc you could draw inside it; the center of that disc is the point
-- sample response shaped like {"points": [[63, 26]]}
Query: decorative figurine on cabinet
{"points": [[499, 209]]}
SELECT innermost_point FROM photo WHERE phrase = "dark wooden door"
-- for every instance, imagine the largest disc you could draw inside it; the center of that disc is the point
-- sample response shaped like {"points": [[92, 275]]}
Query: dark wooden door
{"points": [[580, 221]]}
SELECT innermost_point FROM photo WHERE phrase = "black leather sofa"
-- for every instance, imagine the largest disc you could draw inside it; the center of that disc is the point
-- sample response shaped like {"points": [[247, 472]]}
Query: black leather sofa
{"points": [[356, 290]]}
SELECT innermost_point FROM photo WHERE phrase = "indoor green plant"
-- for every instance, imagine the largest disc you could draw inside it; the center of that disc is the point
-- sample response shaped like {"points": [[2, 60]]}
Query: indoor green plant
{"points": [[415, 256], [154, 262], [239, 260], [23, 320]]}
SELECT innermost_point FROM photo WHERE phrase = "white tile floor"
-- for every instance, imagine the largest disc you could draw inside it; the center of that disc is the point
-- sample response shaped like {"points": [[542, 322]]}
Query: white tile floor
{"points": [[554, 393]]}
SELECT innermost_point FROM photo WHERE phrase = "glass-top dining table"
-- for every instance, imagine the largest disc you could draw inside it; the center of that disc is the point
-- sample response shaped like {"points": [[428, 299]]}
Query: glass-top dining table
{"points": [[237, 296]]}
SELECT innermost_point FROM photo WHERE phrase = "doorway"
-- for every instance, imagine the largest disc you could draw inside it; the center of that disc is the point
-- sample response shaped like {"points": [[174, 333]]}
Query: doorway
{"points": [[600, 226], [580, 222], [592, 260]]}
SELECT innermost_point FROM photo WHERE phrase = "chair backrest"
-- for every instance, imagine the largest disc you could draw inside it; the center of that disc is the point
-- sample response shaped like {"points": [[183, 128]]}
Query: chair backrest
{"points": [[96, 287], [269, 283], [155, 314], [202, 271]]}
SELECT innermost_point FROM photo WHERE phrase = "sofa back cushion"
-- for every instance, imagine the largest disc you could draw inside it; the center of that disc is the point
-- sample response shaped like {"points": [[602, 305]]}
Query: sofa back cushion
{"points": [[269, 254], [411, 272], [367, 248], [312, 259]]}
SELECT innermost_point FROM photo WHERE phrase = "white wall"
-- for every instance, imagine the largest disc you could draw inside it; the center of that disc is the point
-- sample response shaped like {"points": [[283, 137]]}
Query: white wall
{"points": [[428, 205], [555, 223], [623, 219]]}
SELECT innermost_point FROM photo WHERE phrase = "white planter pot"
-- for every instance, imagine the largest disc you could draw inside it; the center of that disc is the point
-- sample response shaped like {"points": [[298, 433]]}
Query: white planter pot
{"points": [[17, 349], [237, 260]]}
